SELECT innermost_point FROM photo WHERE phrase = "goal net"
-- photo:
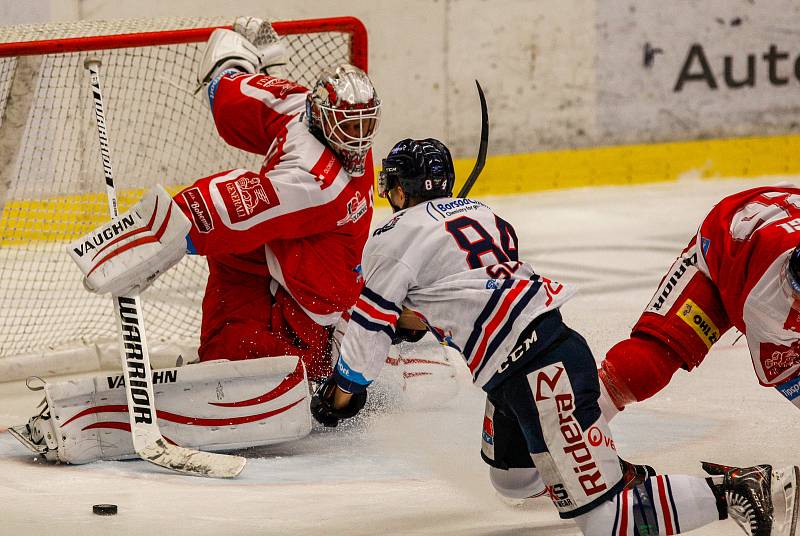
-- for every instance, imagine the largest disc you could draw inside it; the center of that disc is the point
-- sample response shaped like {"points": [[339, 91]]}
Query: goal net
{"points": [[51, 180]]}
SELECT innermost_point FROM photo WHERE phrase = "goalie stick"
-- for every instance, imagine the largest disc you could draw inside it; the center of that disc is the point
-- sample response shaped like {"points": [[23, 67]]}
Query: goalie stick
{"points": [[481, 161], [148, 442]]}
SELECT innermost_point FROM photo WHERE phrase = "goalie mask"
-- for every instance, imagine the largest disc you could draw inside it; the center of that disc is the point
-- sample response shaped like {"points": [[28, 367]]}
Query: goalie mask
{"points": [[424, 168], [344, 111]]}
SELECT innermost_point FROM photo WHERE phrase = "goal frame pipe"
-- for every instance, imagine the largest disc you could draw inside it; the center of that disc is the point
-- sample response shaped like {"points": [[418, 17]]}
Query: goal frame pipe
{"points": [[351, 25]]}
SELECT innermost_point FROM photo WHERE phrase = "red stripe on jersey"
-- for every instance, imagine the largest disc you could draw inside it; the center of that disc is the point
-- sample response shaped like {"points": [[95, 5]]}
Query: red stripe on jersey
{"points": [[144, 229], [623, 517], [372, 312], [326, 169], [496, 320], [662, 495], [130, 245]]}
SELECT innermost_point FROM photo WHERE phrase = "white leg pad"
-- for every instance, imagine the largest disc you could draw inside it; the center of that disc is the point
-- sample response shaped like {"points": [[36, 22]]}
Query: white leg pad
{"points": [[214, 406]]}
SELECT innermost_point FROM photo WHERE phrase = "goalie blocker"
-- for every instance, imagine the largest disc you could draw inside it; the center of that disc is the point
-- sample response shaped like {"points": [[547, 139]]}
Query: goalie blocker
{"points": [[126, 254], [215, 406]]}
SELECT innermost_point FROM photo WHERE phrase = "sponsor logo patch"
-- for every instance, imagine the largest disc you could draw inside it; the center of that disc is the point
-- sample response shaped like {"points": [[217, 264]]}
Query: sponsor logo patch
{"points": [[554, 394], [488, 430], [278, 87], [596, 438], [356, 207], [790, 390], [704, 243], [159, 376], [247, 196], [326, 169], [777, 358], [559, 496], [698, 320], [674, 279], [388, 227], [199, 210]]}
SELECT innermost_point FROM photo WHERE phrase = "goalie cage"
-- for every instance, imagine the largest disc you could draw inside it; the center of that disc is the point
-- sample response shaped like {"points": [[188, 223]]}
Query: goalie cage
{"points": [[50, 183]]}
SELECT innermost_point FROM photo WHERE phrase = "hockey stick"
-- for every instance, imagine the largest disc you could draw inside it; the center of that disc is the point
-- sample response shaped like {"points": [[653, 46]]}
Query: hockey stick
{"points": [[481, 161], [148, 442]]}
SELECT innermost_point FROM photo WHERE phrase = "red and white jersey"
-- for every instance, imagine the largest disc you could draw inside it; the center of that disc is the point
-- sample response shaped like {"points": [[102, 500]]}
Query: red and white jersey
{"points": [[302, 219], [454, 262], [743, 246]]}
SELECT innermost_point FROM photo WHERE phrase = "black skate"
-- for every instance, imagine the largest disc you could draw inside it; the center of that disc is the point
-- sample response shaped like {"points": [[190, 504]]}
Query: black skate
{"points": [[763, 501]]}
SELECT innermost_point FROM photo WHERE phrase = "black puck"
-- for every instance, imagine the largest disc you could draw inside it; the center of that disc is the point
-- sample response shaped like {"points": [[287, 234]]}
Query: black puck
{"points": [[105, 509]]}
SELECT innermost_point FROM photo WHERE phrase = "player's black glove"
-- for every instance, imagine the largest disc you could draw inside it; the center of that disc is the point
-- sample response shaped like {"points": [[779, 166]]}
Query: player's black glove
{"points": [[408, 335], [322, 404]]}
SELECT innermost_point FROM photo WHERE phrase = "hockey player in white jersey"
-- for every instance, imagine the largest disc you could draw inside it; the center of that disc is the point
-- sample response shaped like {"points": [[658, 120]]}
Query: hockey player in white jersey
{"points": [[455, 263]]}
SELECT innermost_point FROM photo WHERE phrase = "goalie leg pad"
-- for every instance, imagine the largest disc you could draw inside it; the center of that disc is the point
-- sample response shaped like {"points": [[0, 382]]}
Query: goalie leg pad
{"points": [[210, 406], [125, 255]]}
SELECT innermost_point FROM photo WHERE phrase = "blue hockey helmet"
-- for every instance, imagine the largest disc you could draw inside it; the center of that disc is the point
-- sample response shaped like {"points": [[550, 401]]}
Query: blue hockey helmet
{"points": [[424, 168]]}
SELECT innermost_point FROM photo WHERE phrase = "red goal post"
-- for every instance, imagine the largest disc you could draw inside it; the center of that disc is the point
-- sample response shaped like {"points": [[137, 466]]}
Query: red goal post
{"points": [[160, 131], [346, 25]]}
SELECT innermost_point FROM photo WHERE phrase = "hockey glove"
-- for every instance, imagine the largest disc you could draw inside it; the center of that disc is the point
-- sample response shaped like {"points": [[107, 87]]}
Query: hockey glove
{"points": [[409, 328], [125, 255], [272, 53], [408, 335], [322, 407]]}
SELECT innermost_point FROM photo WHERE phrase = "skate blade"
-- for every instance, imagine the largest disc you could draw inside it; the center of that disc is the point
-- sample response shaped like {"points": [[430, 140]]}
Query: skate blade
{"points": [[20, 432], [785, 500]]}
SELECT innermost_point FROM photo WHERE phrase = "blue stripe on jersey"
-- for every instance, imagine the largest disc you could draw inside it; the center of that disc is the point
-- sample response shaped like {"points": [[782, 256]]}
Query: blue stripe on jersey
{"points": [[380, 300], [672, 504], [483, 317], [365, 323], [505, 329], [348, 379]]}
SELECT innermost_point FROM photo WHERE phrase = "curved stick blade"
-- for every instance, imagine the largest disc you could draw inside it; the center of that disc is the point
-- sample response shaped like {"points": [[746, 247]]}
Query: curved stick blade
{"points": [[481, 161]]}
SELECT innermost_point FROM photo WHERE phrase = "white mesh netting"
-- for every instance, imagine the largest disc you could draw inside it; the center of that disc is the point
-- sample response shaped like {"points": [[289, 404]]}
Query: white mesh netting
{"points": [[52, 187]]}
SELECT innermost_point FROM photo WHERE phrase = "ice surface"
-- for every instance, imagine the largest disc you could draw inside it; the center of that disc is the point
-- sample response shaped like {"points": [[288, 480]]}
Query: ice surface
{"points": [[418, 471]]}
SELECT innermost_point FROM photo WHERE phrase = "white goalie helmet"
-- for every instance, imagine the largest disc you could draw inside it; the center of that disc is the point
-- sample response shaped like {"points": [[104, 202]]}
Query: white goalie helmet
{"points": [[344, 111]]}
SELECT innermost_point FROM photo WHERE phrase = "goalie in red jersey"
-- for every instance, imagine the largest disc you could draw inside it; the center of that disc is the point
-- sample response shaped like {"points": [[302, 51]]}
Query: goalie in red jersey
{"points": [[283, 247], [742, 270], [283, 244]]}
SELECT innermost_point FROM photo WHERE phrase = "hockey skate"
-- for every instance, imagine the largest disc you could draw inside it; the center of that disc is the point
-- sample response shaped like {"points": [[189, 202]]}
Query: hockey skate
{"points": [[38, 434], [762, 500]]}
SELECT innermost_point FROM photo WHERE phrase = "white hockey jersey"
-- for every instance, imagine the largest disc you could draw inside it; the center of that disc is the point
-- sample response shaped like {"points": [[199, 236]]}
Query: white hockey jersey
{"points": [[455, 263]]}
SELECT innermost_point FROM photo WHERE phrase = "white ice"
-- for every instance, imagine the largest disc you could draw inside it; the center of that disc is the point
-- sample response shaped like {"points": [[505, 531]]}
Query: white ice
{"points": [[418, 471]]}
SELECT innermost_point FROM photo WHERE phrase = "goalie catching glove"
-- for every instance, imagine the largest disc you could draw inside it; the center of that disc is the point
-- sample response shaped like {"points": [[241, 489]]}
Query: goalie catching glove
{"points": [[252, 47], [125, 255]]}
